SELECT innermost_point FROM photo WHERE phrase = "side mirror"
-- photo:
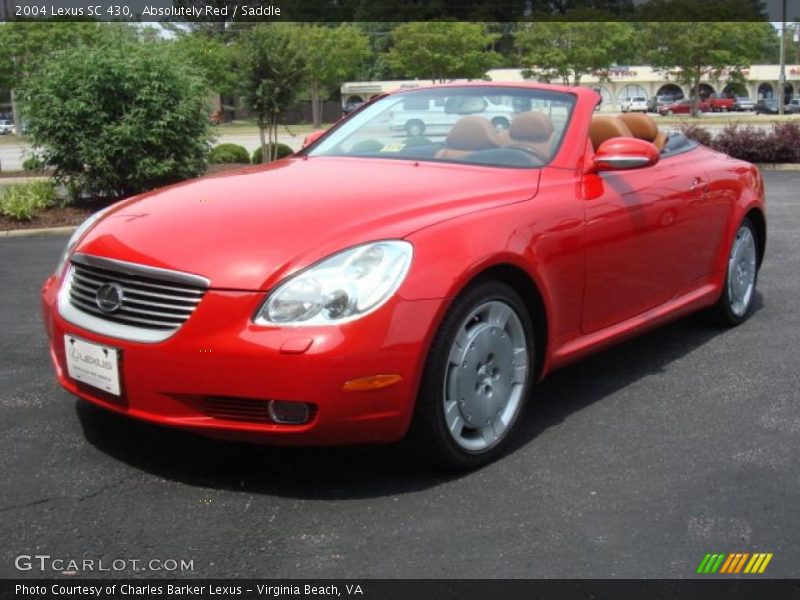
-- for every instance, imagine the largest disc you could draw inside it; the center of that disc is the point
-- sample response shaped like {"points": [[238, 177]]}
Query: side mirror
{"points": [[619, 154], [313, 137]]}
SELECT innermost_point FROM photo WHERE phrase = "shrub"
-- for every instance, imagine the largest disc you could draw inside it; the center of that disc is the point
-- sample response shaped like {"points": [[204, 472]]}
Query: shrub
{"points": [[282, 152], [33, 163], [785, 142], [22, 201], [118, 118], [746, 143], [696, 133], [227, 154]]}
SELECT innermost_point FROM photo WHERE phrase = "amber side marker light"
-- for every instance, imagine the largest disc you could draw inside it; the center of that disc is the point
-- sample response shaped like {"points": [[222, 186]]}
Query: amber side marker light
{"points": [[372, 382]]}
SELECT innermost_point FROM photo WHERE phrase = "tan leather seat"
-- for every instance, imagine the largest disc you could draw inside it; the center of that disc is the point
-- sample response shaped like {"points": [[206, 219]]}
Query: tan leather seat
{"points": [[532, 130], [645, 128], [469, 134], [605, 128]]}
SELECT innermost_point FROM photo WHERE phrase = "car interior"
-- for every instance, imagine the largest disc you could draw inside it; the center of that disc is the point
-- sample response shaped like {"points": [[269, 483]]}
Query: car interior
{"points": [[529, 141]]}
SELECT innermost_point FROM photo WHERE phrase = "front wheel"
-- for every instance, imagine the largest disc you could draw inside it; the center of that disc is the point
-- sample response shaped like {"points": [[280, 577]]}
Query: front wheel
{"points": [[736, 302], [478, 375], [415, 128]]}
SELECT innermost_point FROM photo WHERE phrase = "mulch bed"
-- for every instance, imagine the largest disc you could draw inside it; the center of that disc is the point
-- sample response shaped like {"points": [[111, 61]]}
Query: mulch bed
{"points": [[52, 217], [74, 214]]}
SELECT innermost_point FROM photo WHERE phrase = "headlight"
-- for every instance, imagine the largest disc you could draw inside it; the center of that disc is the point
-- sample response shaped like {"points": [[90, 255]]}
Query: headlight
{"points": [[346, 286], [75, 238]]}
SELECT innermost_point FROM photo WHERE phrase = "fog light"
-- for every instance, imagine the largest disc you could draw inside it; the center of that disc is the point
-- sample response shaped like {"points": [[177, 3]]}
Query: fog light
{"points": [[288, 413]]}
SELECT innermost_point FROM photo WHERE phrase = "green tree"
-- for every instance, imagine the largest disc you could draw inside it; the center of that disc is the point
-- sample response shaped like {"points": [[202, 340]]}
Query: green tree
{"points": [[687, 52], [212, 58], [566, 51], [332, 55], [24, 45], [117, 119], [442, 50], [271, 72]]}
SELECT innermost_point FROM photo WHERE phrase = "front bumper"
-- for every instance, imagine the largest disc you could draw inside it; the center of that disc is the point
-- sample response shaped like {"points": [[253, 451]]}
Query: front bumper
{"points": [[220, 353]]}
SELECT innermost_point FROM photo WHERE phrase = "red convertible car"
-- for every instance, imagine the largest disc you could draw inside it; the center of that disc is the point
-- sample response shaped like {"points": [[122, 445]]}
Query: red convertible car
{"points": [[683, 107], [379, 286]]}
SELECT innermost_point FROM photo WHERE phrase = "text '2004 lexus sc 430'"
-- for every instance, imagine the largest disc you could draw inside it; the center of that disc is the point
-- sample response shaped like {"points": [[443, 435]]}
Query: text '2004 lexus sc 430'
{"points": [[392, 282]]}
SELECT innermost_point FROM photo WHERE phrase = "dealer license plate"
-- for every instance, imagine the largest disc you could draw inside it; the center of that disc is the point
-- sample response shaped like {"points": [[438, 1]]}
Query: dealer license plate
{"points": [[93, 364]]}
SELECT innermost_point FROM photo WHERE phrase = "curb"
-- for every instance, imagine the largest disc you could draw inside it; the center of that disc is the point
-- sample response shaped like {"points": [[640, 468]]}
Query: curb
{"points": [[21, 179], [779, 166], [44, 231]]}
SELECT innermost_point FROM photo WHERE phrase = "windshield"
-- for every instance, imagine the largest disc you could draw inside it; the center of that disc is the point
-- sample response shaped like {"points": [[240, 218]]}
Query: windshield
{"points": [[492, 126]]}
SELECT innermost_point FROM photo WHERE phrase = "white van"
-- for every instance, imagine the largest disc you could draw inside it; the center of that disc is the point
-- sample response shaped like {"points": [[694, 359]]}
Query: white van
{"points": [[417, 116]]}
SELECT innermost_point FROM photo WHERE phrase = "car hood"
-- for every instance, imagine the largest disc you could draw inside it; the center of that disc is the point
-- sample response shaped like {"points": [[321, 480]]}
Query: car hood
{"points": [[248, 229]]}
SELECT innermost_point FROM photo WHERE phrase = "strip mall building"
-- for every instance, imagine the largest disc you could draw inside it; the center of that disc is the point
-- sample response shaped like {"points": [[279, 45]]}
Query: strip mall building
{"points": [[620, 83]]}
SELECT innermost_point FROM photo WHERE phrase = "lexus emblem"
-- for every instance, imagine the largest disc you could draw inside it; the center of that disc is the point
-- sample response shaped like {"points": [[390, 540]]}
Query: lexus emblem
{"points": [[109, 297]]}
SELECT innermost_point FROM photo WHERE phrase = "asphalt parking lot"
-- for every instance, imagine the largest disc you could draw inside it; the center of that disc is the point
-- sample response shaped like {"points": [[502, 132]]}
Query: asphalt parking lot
{"points": [[633, 463]]}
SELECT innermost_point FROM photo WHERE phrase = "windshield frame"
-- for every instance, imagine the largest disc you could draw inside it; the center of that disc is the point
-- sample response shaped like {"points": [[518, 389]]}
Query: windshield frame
{"points": [[482, 89]]}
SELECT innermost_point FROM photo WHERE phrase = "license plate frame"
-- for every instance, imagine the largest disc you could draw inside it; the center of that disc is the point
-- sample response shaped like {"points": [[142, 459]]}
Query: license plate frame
{"points": [[93, 364]]}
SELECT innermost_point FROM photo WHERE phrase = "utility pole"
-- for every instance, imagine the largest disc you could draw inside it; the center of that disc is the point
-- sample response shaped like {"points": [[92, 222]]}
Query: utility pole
{"points": [[782, 82]]}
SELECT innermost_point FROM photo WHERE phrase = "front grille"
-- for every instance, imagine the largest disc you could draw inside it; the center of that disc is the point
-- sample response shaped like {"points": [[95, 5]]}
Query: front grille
{"points": [[152, 299]]}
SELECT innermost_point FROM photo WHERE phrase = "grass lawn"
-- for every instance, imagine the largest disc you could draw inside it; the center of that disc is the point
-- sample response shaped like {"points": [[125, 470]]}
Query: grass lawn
{"points": [[723, 119], [245, 127]]}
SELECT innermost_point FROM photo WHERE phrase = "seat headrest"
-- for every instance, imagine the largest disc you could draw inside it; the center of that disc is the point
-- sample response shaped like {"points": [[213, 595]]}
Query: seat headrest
{"points": [[641, 126], [606, 127], [472, 133], [531, 127]]}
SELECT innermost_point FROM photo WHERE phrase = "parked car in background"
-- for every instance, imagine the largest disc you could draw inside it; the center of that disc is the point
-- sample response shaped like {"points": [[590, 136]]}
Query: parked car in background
{"points": [[6, 127], [634, 104], [351, 105], [683, 107], [464, 269], [657, 102], [742, 103], [720, 103], [769, 106]]}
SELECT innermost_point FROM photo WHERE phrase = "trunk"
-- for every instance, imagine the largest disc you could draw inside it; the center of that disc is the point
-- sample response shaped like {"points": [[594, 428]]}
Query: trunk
{"points": [[316, 115], [263, 141], [695, 96], [15, 113]]}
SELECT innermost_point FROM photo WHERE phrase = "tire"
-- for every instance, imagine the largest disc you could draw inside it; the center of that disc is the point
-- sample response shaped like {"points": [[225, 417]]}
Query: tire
{"points": [[415, 127], [500, 123], [741, 277], [477, 377]]}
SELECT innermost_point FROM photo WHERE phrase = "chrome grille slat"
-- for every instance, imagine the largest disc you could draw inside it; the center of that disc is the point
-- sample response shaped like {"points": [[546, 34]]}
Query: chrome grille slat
{"points": [[153, 306], [179, 311], [126, 309], [85, 305], [100, 279]]}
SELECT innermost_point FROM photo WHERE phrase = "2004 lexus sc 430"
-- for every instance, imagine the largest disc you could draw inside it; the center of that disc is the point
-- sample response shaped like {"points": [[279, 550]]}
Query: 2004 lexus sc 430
{"points": [[380, 285]]}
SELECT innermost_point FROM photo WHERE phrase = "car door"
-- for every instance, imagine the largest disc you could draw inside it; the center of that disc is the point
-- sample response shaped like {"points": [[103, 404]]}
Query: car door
{"points": [[640, 226]]}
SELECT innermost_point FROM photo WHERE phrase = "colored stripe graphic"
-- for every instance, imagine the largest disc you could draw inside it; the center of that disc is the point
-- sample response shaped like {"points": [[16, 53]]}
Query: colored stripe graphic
{"points": [[734, 563]]}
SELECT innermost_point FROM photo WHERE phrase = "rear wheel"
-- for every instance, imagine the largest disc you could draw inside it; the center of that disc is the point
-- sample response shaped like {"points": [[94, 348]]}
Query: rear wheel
{"points": [[478, 374], [736, 302]]}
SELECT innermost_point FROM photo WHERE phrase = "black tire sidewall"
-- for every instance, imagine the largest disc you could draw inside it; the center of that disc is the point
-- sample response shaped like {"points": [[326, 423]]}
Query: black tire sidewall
{"points": [[429, 426], [723, 307]]}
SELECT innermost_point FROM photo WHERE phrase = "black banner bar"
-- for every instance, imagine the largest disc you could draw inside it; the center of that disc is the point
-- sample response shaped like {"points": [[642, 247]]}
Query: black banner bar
{"points": [[384, 589], [232, 11]]}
